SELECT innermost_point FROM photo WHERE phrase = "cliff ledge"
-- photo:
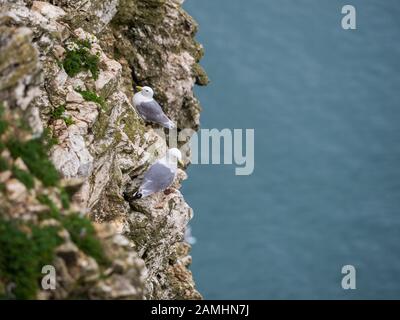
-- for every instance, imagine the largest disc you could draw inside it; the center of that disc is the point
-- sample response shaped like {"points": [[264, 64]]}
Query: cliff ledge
{"points": [[71, 144]]}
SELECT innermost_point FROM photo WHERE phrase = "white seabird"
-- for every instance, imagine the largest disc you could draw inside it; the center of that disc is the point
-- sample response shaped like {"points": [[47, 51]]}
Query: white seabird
{"points": [[149, 108], [159, 176]]}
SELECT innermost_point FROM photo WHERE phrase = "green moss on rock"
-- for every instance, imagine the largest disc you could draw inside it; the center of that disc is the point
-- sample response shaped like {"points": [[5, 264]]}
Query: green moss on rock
{"points": [[3, 126], [69, 121], [80, 59], [3, 123], [65, 198], [92, 96], [3, 164], [25, 177], [23, 255], [53, 210], [58, 112], [26, 247], [84, 236], [34, 154]]}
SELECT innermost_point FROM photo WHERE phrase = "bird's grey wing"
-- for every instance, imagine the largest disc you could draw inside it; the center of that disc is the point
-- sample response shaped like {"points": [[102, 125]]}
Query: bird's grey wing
{"points": [[159, 177], [152, 111]]}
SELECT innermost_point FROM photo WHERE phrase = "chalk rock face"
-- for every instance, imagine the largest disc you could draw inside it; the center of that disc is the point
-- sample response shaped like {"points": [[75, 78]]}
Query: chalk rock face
{"points": [[69, 68], [164, 30]]}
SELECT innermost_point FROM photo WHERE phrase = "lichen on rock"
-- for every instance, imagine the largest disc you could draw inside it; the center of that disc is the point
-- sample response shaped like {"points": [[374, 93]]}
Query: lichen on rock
{"points": [[68, 70]]}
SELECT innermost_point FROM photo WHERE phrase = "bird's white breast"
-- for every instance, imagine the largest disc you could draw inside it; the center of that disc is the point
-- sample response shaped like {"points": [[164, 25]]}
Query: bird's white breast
{"points": [[138, 98]]}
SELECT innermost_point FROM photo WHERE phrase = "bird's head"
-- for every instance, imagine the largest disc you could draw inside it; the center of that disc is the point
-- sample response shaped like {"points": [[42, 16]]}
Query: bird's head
{"points": [[146, 91], [174, 155]]}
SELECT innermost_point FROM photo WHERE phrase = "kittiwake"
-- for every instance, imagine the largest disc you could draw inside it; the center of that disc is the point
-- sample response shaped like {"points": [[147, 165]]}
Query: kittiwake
{"points": [[149, 108], [159, 176]]}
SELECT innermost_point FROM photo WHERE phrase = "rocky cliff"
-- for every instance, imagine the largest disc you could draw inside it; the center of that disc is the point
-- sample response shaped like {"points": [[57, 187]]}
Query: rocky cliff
{"points": [[71, 143]]}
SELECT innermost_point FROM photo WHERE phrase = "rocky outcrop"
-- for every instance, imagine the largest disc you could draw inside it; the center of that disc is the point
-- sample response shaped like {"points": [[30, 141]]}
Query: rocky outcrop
{"points": [[68, 69]]}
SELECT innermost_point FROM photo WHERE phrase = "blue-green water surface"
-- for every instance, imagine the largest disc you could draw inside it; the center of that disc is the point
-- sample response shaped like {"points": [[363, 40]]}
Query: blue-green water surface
{"points": [[325, 106]]}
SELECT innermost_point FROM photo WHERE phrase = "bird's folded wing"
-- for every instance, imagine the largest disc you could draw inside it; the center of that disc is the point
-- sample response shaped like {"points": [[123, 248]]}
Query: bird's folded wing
{"points": [[157, 178], [152, 111]]}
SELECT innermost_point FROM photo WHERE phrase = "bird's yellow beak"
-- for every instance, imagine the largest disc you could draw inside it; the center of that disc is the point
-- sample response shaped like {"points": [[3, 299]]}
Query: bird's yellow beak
{"points": [[139, 88], [181, 163]]}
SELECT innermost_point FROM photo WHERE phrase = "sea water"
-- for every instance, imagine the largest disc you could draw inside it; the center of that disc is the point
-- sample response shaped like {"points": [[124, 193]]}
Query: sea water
{"points": [[325, 191]]}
